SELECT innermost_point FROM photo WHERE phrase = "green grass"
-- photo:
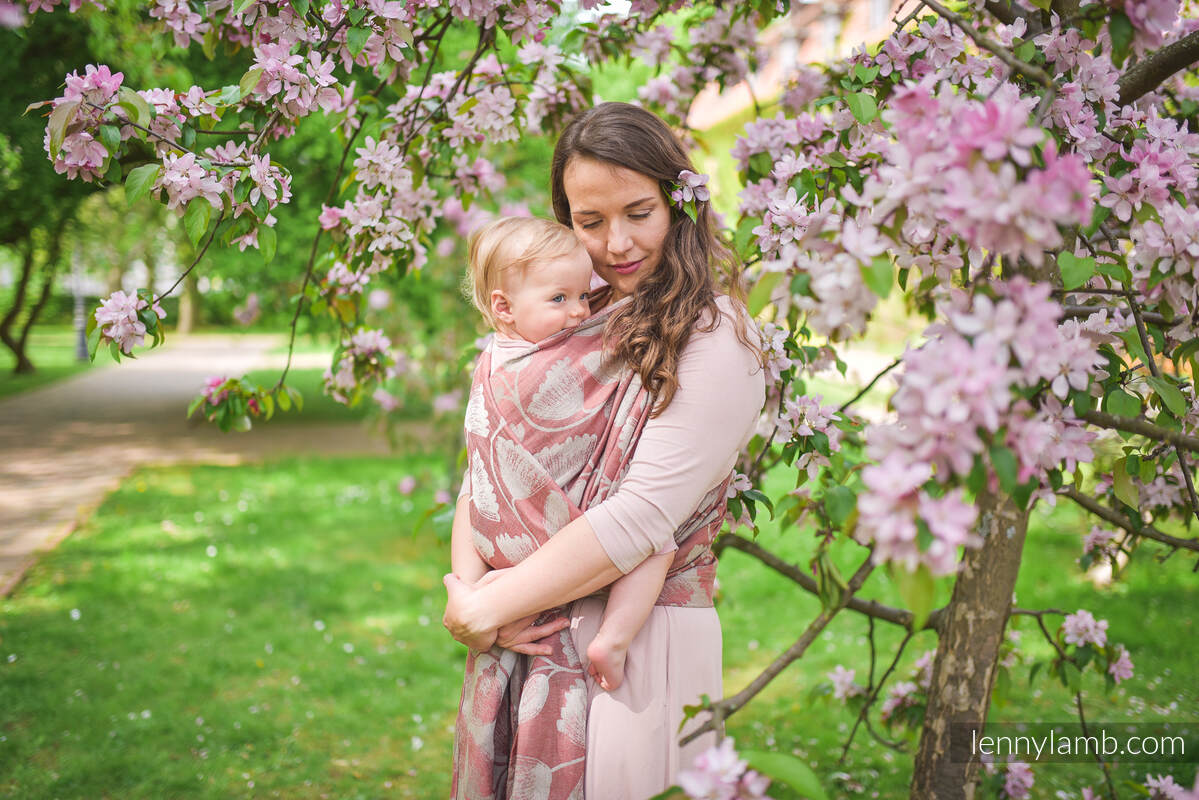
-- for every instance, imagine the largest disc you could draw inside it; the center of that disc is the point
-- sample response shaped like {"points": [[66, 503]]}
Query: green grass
{"points": [[52, 351], [280, 625]]}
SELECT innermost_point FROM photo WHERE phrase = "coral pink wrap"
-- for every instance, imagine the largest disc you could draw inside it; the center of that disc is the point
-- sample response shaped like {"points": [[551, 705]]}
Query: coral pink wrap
{"points": [[549, 433]]}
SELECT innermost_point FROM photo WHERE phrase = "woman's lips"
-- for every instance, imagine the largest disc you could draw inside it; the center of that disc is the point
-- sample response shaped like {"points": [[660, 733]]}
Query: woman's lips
{"points": [[628, 267]]}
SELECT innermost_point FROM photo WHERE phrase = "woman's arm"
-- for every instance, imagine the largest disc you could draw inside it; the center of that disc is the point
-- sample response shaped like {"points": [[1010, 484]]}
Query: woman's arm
{"points": [[681, 455], [465, 560]]}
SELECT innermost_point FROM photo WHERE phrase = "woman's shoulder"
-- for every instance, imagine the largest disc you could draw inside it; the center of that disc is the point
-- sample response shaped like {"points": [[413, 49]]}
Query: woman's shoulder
{"points": [[733, 335], [733, 320]]}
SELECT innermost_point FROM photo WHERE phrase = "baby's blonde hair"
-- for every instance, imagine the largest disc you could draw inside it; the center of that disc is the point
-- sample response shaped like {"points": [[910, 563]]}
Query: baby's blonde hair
{"points": [[511, 243]]}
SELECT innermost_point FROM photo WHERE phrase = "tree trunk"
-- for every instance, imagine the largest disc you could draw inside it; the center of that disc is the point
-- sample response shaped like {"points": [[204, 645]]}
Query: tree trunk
{"points": [[23, 365], [189, 306], [964, 670]]}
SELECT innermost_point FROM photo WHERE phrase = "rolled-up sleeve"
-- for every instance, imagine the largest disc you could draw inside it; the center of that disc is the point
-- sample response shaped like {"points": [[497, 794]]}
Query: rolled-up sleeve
{"points": [[688, 449]]}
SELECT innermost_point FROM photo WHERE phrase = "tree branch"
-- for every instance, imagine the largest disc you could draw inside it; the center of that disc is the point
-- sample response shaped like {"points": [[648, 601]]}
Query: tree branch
{"points": [[1148, 73], [1143, 427], [896, 616], [1114, 518]]}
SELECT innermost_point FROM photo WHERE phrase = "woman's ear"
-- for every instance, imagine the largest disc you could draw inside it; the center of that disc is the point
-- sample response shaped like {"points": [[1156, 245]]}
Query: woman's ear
{"points": [[501, 309]]}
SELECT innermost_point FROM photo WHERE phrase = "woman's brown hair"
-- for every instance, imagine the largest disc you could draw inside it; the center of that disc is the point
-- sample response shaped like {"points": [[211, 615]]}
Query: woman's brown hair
{"points": [[650, 332]]}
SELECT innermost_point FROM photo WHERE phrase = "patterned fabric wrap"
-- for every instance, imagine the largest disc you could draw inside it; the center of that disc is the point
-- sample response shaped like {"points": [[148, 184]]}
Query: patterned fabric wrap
{"points": [[550, 433]]}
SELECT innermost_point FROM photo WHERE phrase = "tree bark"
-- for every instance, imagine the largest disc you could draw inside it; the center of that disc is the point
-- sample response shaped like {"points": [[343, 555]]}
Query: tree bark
{"points": [[23, 365], [1147, 74], [968, 650], [189, 306]]}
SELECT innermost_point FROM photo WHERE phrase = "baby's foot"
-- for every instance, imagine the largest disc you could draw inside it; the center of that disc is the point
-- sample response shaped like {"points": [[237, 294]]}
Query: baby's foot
{"points": [[607, 661]]}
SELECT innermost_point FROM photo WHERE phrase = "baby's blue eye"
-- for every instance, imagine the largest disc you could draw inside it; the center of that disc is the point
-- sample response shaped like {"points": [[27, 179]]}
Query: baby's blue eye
{"points": [[558, 298]]}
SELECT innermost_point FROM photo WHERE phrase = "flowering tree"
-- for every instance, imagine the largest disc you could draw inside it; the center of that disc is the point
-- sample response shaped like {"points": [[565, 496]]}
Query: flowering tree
{"points": [[1022, 172]]}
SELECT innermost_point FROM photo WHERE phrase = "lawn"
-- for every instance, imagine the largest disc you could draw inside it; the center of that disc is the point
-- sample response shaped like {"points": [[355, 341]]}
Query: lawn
{"points": [[52, 350], [273, 631]]}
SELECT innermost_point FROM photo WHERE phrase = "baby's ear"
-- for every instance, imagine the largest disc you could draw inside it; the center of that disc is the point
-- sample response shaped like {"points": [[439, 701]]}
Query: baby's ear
{"points": [[501, 309]]}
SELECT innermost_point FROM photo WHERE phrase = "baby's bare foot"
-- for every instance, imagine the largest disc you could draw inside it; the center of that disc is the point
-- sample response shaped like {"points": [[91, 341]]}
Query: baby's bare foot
{"points": [[607, 662]]}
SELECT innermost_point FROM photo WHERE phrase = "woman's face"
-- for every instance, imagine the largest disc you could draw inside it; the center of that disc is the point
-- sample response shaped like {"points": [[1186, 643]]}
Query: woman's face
{"points": [[620, 216]]}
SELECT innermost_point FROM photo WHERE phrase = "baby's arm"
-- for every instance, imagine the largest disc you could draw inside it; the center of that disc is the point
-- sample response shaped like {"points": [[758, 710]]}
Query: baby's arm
{"points": [[630, 600], [465, 560]]}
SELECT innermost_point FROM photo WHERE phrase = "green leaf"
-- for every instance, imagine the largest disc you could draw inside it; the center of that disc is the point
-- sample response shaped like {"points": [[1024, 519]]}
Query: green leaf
{"points": [[879, 275], [140, 181], [356, 15], [195, 219], [759, 296], [135, 106], [301, 6], [267, 241], [1123, 486], [1122, 403], [1133, 340], [786, 768], [62, 116], [242, 5], [918, 592], [110, 137], [863, 106], [229, 95], [1120, 28], [1169, 394], [1004, 462], [1076, 271], [758, 497], [356, 39], [1026, 51], [249, 81], [673, 793], [840, 502], [241, 423], [405, 33], [834, 159]]}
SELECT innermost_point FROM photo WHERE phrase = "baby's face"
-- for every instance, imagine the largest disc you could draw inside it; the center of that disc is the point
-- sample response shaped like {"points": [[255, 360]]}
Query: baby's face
{"points": [[551, 295]]}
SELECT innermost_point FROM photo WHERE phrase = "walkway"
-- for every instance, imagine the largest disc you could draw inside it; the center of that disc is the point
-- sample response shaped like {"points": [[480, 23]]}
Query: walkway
{"points": [[66, 446]]}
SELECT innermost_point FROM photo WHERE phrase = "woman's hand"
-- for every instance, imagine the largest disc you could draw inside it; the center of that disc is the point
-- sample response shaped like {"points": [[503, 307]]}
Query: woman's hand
{"points": [[522, 636], [460, 619], [519, 636]]}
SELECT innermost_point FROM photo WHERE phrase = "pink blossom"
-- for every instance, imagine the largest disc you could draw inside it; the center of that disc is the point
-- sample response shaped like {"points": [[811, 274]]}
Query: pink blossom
{"points": [[406, 485], [1121, 668], [441, 497], [12, 15], [1097, 541], [843, 685], [691, 186], [117, 318], [1081, 628], [719, 774], [1017, 781]]}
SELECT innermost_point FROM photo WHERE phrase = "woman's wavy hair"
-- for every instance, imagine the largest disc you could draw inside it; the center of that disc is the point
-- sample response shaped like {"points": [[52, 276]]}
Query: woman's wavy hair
{"points": [[650, 332]]}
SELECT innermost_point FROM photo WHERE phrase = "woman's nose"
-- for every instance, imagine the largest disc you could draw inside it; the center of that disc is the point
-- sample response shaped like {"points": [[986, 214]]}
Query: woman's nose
{"points": [[618, 240]]}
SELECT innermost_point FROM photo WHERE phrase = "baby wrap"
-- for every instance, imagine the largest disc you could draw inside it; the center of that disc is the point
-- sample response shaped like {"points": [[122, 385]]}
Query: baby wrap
{"points": [[549, 434]]}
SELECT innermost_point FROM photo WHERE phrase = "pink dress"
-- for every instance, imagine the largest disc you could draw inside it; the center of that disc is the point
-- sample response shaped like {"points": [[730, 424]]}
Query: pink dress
{"points": [[632, 733]]}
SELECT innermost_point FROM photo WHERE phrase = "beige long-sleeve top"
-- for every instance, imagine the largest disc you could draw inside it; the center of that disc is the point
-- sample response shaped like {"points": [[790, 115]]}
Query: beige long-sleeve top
{"points": [[688, 449]]}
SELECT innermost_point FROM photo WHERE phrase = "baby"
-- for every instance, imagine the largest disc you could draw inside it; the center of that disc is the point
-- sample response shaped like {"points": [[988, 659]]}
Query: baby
{"points": [[530, 279]]}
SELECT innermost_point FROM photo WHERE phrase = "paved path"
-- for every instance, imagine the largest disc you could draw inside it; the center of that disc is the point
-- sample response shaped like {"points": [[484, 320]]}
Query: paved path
{"points": [[65, 446]]}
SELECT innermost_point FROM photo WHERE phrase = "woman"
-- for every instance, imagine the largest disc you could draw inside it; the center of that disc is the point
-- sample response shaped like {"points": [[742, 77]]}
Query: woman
{"points": [[693, 353]]}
